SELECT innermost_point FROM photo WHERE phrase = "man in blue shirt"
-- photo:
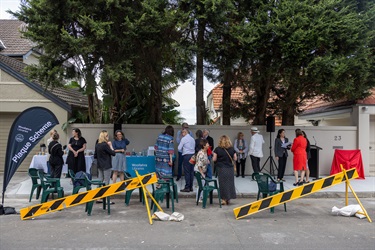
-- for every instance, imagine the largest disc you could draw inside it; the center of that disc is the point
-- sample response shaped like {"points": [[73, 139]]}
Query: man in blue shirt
{"points": [[178, 139], [187, 149]]}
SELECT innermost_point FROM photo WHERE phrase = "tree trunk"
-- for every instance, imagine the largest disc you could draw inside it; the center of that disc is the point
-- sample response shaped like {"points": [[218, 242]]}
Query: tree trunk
{"points": [[92, 113], [288, 115], [227, 91], [156, 101], [262, 93], [200, 106]]}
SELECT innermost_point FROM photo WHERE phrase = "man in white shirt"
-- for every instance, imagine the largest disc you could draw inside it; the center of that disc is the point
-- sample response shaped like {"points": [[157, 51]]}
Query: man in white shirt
{"points": [[255, 149], [178, 139], [187, 149]]}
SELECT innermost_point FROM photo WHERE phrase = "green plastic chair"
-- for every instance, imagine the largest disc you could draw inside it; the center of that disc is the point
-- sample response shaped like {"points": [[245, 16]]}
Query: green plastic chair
{"points": [[128, 193], [263, 180], [159, 194], [173, 185], [33, 173], [98, 183], [50, 186], [207, 189]]}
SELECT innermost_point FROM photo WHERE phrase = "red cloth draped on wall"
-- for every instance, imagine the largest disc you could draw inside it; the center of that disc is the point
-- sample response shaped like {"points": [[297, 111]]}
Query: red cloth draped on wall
{"points": [[349, 159]]}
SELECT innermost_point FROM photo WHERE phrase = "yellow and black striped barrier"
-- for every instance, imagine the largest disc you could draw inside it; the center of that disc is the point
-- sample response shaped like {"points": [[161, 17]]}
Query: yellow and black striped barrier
{"points": [[80, 198], [289, 195]]}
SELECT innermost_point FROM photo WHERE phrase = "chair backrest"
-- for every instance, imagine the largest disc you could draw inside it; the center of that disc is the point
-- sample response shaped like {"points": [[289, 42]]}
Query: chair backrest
{"points": [[33, 173], [199, 179], [263, 180], [127, 175], [42, 180], [87, 181], [71, 174]]}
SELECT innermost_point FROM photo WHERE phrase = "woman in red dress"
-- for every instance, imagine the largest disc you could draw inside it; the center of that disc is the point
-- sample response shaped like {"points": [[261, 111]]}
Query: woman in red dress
{"points": [[300, 156]]}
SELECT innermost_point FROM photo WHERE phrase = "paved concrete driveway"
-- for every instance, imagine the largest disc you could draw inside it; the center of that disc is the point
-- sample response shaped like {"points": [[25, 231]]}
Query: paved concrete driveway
{"points": [[307, 224]]}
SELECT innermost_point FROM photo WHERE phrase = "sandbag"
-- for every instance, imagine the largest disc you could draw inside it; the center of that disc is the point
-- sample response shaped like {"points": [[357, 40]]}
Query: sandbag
{"points": [[7, 210], [351, 210]]}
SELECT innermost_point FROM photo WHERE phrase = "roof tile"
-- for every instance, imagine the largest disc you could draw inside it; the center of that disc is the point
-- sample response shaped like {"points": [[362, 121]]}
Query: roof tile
{"points": [[11, 37], [73, 97]]}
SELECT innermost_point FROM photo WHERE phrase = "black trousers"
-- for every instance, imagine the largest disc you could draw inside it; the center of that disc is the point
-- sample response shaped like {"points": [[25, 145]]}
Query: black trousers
{"points": [[282, 165], [255, 162], [241, 167], [56, 171]]}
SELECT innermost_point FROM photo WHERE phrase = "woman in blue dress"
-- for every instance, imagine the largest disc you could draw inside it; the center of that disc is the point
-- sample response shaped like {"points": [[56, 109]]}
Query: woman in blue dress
{"points": [[164, 150], [119, 160]]}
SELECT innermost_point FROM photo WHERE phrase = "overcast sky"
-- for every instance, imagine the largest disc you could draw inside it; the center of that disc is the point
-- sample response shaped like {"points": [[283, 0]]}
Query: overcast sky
{"points": [[6, 5], [185, 95]]}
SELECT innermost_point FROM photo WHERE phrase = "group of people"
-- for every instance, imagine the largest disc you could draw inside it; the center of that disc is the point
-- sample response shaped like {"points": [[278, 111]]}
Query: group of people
{"points": [[202, 149], [301, 151], [109, 155], [229, 159], [187, 147]]}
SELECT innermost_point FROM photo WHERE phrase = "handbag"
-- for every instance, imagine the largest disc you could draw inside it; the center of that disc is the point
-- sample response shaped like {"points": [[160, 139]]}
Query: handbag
{"points": [[234, 164], [192, 160], [271, 186]]}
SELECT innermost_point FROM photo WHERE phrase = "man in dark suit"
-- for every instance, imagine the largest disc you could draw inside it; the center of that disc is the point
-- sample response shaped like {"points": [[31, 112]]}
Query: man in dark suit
{"points": [[206, 135]]}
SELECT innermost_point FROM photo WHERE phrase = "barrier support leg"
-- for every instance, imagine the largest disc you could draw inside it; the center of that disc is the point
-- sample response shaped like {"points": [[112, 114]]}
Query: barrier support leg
{"points": [[145, 191], [347, 184]]}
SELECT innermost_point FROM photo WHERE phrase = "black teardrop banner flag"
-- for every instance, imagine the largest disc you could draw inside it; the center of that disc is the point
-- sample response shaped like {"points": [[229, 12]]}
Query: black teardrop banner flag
{"points": [[27, 130]]}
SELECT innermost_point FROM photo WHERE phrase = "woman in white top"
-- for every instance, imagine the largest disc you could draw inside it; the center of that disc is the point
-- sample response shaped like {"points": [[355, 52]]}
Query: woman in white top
{"points": [[201, 161]]}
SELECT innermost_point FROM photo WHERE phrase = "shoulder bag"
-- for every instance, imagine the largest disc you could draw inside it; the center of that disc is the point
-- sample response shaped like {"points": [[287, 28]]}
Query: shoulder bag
{"points": [[233, 163]]}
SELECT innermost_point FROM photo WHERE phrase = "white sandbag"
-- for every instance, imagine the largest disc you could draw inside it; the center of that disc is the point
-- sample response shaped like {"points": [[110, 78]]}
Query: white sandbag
{"points": [[161, 216], [350, 210], [176, 217]]}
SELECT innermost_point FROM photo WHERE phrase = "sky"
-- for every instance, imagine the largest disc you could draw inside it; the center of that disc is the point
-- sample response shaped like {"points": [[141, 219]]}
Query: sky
{"points": [[185, 95]]}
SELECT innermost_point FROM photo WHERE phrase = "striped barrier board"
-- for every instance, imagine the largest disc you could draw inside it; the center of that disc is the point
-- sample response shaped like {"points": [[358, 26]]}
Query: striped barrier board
{"points": [[84, 197], [289, 195]]}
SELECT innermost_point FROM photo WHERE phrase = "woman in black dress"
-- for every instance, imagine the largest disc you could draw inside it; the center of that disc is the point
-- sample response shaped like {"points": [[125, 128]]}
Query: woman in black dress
{"points": [[224, 156], [76, 156]]}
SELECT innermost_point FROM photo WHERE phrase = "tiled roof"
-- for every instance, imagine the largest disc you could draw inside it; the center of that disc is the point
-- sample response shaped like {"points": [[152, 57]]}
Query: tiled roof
{"points": [[14, 64], [217, 95], [71, 96], [11, 37], [370, 100], [318, 105], [237, 94]]}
